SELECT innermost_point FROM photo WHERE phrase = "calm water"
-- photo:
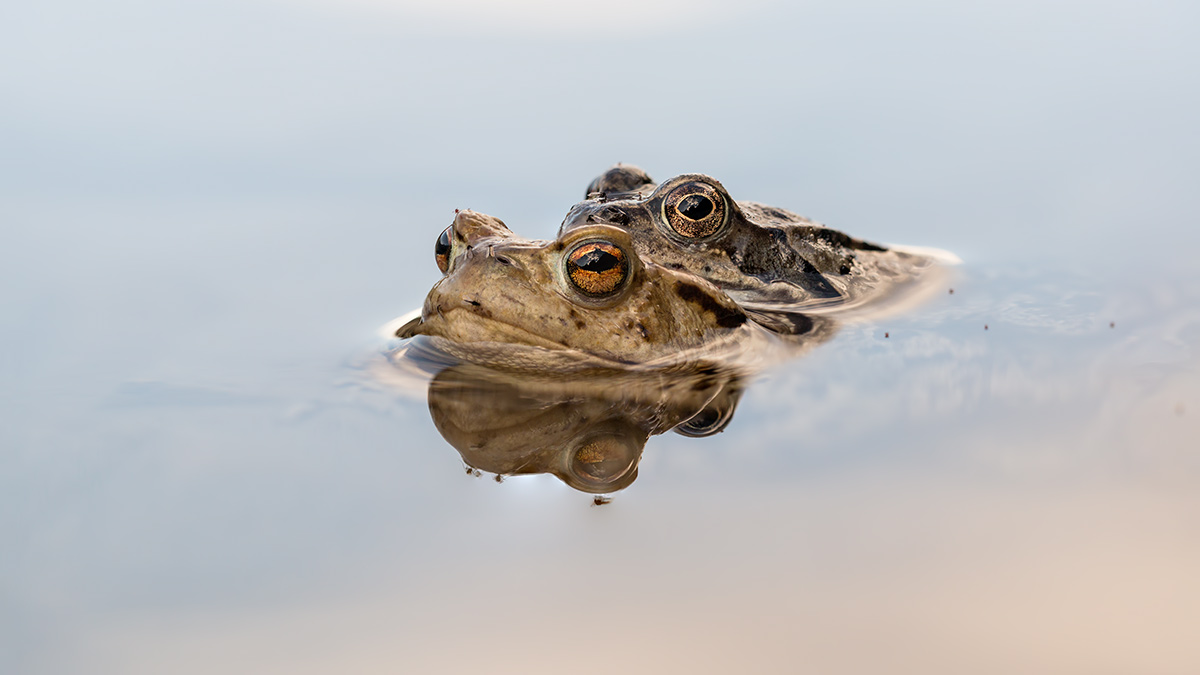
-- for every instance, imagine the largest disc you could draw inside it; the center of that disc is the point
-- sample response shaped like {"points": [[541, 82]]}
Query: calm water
{"points": [[208, 210]]}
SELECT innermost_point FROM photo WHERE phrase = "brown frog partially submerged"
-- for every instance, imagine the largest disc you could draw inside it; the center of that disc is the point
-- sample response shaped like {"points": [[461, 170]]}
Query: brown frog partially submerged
{"points": [[584, 300], [763, 257]]}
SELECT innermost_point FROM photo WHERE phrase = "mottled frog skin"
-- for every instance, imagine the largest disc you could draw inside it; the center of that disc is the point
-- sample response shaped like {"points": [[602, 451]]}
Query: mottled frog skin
{"points": [[586, 298], [763, 257]]}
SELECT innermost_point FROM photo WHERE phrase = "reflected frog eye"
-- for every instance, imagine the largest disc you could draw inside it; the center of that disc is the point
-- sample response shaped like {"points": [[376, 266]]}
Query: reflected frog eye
{"points": [[441, 250], [597, 268], [695, 210], [603, 460]]}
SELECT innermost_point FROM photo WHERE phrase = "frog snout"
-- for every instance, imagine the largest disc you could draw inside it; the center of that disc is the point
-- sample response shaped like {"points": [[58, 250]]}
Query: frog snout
{"points": [[472, 226]]}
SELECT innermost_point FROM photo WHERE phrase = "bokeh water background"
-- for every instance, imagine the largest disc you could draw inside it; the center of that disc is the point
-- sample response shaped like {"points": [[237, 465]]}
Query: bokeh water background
{"points": [[207, 210]]}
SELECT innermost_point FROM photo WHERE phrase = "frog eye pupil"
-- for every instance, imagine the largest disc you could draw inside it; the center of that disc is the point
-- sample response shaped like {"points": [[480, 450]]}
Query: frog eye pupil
{"points": [[695, 207], [596, 261], [441, 250]]}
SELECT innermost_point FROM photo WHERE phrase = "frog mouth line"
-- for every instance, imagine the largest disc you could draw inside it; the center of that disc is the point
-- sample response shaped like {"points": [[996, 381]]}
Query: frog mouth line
{"points": [[464, 321]]}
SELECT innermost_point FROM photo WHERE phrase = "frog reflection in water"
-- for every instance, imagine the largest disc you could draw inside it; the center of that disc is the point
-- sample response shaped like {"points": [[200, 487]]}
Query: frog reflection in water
{"points": [[584, 301], [589, 432], [763, 257]]}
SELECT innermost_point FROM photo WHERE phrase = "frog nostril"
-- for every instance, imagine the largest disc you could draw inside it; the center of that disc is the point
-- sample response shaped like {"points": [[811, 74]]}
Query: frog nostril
{"points": [[500, 257], [471, 301]]}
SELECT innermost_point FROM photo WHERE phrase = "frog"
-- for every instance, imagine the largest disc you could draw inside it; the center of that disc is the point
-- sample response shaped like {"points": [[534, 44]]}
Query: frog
{"points": [[585, 300], [765, 258]]}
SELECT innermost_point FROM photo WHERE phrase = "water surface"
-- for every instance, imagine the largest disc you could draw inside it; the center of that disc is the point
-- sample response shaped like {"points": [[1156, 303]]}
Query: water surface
{"points": [[207, 211]]}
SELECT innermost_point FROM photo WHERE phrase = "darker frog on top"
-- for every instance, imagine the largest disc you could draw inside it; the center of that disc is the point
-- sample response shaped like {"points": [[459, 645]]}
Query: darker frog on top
{"points": [[763, 257]]}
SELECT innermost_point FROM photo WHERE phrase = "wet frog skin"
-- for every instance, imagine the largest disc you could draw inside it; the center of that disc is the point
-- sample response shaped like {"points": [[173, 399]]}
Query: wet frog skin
{"points": [[506, 300], [761, 256]]}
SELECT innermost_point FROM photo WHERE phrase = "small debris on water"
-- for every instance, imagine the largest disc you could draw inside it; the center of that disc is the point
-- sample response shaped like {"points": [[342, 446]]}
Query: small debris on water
{"points": [[499, 478], [885, 335], [601, 500], [1112, 324], [985, 326], [951, 291]]}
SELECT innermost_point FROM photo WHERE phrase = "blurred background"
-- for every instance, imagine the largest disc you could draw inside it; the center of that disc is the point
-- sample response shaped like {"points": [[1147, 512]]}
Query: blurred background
{"points": [[207, 210]]}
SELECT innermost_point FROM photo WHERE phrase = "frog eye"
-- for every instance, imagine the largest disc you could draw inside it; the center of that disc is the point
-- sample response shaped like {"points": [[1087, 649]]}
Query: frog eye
{"points": [[601, 461], [597, 269], [441, 250], [695, 210]]}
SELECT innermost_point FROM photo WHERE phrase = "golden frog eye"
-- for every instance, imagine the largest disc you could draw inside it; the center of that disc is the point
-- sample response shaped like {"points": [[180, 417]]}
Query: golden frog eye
{"points": [[597, 268], [695, 210], [441, 250]]}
